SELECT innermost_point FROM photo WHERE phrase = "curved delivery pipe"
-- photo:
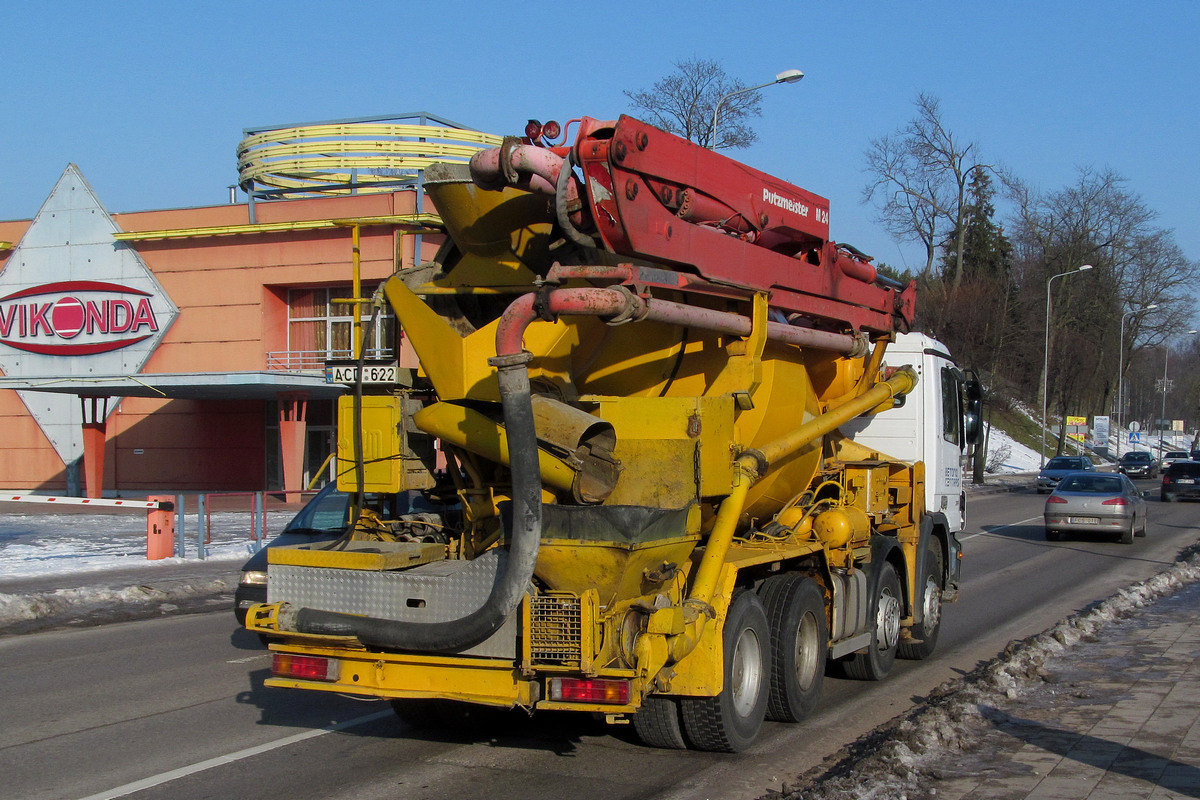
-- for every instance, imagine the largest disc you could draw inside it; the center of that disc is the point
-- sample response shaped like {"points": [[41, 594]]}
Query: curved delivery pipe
{"points": [[749, 467], [524, 539], [525, 166]]}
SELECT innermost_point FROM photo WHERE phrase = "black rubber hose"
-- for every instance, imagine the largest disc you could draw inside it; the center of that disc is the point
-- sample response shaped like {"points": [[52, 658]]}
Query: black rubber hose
{"points": [[560, 205], [524, 541]]}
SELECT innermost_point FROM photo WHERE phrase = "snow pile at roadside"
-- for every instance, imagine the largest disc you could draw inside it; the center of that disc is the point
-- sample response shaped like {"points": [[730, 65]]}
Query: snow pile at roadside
{"points": [[94, 604], [55, 546], [1006, 455], [894, 762]]}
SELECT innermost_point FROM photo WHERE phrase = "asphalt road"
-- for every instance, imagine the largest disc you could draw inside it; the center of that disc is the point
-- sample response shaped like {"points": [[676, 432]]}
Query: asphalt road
{"points": [[175, 707]]}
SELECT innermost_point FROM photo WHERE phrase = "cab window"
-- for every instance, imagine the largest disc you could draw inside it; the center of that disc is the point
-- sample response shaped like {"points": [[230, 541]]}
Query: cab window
{"points": [[951, 413]]}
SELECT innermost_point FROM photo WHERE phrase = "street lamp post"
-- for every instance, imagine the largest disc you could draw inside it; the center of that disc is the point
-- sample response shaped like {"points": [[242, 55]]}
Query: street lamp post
{"points": [[1046, 355], [787, 76], [1121, 370], [1162, 422]]}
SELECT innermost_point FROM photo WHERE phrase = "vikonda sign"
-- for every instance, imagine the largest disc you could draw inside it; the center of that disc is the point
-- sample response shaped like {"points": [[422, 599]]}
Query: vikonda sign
{"points": [[76, 318]]}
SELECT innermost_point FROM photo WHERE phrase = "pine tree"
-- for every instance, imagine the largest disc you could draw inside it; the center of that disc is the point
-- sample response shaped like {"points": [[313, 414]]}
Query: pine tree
{"points": [[986, 250]]}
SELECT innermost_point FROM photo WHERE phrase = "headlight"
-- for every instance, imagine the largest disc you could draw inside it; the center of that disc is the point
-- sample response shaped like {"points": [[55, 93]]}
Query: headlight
{"points": [[254, 578]]}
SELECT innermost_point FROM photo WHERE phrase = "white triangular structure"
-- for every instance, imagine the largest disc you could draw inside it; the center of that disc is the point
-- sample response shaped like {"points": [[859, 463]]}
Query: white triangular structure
{"points": [[68, 271]]}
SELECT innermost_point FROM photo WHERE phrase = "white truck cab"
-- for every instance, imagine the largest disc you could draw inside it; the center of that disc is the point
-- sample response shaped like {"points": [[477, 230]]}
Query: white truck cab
{"points": [[934, 423]]}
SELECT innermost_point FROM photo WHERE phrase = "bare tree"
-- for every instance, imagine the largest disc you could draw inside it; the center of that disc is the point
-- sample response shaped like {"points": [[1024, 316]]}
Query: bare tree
{"points": [[920, 179], [683, 102], [1098, 221]]}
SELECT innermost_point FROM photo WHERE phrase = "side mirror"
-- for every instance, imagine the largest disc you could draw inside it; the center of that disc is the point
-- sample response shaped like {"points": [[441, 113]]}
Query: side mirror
{"points": [[973, 413]]}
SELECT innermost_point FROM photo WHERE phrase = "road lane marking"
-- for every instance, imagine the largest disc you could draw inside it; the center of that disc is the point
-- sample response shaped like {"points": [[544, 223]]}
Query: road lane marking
{"points": [[182, 772], [248, 659], [1038, 518]]}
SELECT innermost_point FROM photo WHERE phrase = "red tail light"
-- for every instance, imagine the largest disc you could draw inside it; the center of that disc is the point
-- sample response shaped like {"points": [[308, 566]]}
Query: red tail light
{"points": [[310, 668], [1055, 499], [585, 690], [1115, 501]]}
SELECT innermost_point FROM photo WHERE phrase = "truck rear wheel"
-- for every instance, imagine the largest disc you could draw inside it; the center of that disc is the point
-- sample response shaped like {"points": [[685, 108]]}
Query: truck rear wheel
{"points": [[657, 723], [930, 599], [731, 721], [876, 662], [795, 608]]}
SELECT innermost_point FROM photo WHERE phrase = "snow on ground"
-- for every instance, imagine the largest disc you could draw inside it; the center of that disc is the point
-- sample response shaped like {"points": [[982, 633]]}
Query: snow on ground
{"points": [[53, 544], [897, 762], [1006, 455], [64, 548]]}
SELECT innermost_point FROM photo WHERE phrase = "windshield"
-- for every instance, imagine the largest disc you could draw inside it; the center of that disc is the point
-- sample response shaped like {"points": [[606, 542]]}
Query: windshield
{"points": [[1136, 457], [1091, 484], [1064, 463], [325, 512]]}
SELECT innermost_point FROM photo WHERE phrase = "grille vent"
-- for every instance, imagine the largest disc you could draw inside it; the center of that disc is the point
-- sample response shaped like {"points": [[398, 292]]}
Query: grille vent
{"points": [[556, 629]]}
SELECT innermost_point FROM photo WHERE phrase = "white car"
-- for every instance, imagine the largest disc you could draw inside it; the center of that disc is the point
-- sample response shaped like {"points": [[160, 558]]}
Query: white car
{"points": [[1171, 456]]}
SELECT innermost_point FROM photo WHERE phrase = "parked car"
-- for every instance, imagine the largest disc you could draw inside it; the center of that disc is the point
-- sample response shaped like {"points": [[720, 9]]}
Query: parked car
{"points": [[1180, 481], [1137, 464], [1059, 466], [1096, 503], [1171, 456], [323, 519]]}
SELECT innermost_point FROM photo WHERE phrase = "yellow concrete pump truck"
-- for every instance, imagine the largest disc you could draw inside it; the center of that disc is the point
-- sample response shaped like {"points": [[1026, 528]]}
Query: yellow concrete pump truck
{"points": [[693, 454]]}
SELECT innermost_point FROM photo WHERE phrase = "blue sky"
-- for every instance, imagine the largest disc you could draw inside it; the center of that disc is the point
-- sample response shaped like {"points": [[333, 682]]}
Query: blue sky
{"points": [[150, 98]]}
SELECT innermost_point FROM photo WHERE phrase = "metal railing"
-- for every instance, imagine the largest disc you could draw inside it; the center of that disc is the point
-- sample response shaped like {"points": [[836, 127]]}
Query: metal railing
{"points": [[203, 506], [314, 360]]}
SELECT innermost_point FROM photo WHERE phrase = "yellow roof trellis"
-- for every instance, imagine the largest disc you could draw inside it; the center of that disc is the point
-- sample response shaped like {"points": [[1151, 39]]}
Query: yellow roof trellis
{"points": [[412, 223], [357, 156]]}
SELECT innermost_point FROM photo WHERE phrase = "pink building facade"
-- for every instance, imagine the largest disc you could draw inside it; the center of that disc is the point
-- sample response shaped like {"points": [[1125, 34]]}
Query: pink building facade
{"points": [[184, 349]]}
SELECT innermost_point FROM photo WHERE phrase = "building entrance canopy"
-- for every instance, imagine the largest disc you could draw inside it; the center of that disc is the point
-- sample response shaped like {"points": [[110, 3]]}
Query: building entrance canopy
{"points": [[183, 386]]}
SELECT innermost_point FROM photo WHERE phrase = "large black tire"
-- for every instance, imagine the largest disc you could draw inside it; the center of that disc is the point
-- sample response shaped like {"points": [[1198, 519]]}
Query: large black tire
{"points": [[930, 599], [657, 723], [799, 629], [731, 721], [886, 607], [1127, 536]]}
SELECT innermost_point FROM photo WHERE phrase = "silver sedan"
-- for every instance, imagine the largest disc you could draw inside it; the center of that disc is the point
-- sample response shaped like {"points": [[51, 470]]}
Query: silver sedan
{"points": [[1096, 503]]}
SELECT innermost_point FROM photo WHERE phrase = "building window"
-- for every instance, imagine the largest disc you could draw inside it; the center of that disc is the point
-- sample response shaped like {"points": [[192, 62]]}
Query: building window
{"points": [[319, 328]]}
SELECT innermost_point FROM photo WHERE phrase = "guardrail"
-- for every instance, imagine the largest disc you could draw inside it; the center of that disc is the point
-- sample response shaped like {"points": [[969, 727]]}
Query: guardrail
{"points": [[167, 525]]}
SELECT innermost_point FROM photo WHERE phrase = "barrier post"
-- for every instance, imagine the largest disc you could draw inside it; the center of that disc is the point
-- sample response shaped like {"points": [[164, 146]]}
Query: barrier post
{"points": [[201, 523], [160, 529], [260, 521], [180, 525]]}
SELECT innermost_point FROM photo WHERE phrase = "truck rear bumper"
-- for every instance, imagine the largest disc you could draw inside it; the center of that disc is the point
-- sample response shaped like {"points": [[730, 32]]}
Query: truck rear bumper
{"points": [[490, 682], [388, 675]]}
